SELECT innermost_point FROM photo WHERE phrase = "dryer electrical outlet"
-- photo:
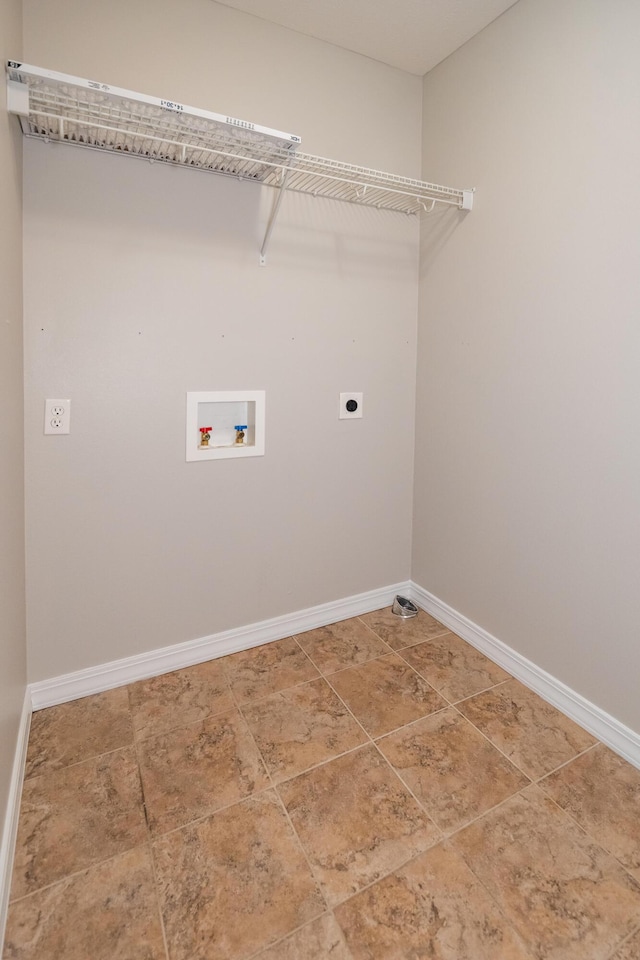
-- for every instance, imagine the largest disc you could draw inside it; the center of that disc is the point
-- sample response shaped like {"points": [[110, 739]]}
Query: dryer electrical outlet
{"points": [[350, 406]]}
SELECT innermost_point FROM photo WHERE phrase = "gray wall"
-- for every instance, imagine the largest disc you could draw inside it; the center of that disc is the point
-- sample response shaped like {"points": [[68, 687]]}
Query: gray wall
{"points": [[12, 620], [142, 282], [527, 494]]}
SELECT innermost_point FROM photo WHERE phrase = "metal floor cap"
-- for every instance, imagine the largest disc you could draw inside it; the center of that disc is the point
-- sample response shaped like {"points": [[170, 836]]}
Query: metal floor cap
{"points": [[404, 608]]}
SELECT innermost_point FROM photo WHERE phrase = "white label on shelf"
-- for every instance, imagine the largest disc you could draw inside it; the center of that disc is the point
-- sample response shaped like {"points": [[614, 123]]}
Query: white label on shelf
{"points": [[170, 105], [245, 124]]}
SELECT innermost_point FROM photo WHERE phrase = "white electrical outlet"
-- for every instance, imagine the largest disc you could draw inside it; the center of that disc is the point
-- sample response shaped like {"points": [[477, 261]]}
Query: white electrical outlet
{"points": [[350, 406], [57, 416]]}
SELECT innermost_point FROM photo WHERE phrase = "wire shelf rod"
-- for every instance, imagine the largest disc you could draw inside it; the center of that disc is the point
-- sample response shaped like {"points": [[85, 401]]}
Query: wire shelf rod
{"points": [[300, 179]]}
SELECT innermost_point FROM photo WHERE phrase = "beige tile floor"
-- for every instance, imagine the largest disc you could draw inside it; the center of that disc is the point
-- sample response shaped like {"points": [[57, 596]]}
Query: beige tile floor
{"points": [[372, 790]]}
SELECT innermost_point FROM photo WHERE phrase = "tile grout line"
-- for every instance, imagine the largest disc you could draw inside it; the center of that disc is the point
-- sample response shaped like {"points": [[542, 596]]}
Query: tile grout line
{"points": [[97, 863], [373, 743], [154, 875], [369, 628], [485, 813], [236, 703], [434, 636], [622, 944], [78, 873], [479, 693], [352, 714], [324, 674], [412, 723], [361, 663], [389, 873], [404, 663], [566, 763], [356, 666], [231, 709], [147, 844], [370, 742], [211, 813], [374, 632], [406, 863], [529, 948], [569, 817], [255, 743], [269, 946], [480, 880], [421, 806], [592, 839], [142, 793], [271, 786], [156, 890], [495, 746], [321, 763], [294, 686], [273, 692], [136, 741], [76, 763], [449, 699], [303, 851], [234, 706], [446, 835], [531, 778], [239, 705], [386, 642], [274, 788], [543, 776], [457, 704], [182, 726]]}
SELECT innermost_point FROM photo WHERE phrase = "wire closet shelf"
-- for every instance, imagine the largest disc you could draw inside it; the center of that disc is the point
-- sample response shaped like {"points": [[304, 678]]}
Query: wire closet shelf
{"points": [[57, 107]]}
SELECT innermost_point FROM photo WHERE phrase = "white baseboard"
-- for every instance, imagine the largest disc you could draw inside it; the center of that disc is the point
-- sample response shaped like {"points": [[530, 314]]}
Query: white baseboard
{"points": [[117, 673], [602, 725], [106, 676], [10, 828]]}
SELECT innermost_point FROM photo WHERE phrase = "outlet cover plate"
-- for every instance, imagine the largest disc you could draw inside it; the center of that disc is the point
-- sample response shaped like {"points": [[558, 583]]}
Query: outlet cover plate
{"points": [[57, 416]]}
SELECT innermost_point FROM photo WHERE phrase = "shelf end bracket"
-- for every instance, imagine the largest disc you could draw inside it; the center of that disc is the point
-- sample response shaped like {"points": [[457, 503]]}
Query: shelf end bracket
{"points": [[272, 219], [18, 98], [467, 199]]}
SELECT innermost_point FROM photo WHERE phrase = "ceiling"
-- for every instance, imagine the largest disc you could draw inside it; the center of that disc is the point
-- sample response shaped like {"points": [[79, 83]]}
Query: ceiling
{"points": [[413, 35]]}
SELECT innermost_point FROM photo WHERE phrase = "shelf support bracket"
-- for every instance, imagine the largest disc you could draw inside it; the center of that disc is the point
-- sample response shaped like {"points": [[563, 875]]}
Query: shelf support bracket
{"points": [[272, 219]]}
